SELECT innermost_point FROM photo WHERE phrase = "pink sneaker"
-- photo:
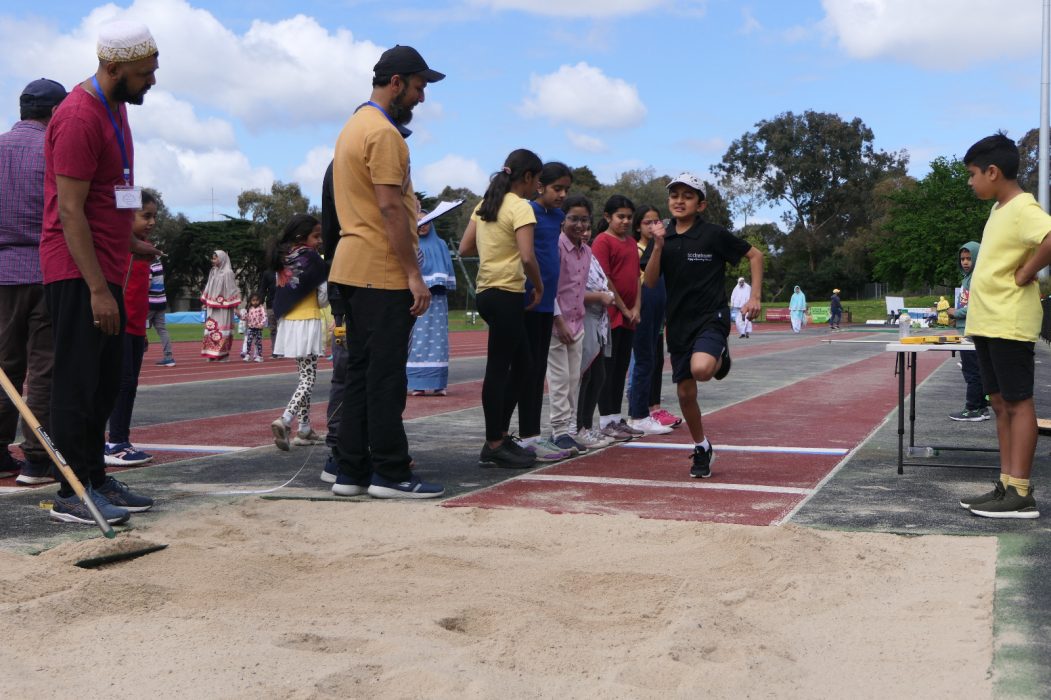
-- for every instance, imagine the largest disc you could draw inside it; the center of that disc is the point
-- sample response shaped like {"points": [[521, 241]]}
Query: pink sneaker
{"points": [[666, 419]]}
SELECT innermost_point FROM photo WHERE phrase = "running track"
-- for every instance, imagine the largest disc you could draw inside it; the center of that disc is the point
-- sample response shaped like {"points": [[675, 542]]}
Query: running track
{"points": [[769, 456]]}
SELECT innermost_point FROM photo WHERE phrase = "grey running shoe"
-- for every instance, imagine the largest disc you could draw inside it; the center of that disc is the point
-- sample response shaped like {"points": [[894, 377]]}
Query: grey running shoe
{"points": [[505, 456], [280, 430], [1012, 505], [118, 493], [73, 510], [995, 495]]}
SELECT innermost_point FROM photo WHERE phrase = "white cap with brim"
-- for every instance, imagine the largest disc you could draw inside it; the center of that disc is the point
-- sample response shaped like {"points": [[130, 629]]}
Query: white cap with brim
{"points": [[690, 180], [124, 41]]}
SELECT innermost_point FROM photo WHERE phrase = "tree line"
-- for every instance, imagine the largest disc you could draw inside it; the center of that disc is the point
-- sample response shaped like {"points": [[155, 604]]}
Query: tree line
{"points": [[851, 214]]}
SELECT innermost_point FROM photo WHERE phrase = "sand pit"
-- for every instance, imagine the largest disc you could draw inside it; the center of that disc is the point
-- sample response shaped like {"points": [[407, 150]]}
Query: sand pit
{"points": [[291, 599]]}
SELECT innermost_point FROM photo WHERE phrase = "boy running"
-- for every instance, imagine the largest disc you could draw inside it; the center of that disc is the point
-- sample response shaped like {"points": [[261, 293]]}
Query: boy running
{"points": [[1003, 317], [692, 257]]}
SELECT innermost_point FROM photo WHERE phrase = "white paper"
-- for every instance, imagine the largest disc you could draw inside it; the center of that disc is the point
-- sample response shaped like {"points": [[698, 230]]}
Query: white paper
{"points": [[442, 208]]}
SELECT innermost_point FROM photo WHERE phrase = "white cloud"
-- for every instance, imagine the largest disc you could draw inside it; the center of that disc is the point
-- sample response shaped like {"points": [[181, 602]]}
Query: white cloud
{"points": [[165, 117], [585, 96], [195, 179], [454, 171], [276, 74], [586, 143], [311, 172], [593, 8], [933, 33], [749, 24]]}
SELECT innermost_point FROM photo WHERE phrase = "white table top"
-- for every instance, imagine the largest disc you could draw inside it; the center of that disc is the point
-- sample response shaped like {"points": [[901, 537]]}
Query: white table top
{"points": [[920, 347]]}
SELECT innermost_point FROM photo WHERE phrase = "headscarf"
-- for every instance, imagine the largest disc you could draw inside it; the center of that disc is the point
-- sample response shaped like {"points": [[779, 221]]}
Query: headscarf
{"points": [[798, 302], [437, 266], [221, 291]]}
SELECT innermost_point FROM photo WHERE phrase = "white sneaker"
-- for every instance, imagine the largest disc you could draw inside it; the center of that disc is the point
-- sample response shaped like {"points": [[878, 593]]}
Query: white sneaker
{"points": [[649, 425]]}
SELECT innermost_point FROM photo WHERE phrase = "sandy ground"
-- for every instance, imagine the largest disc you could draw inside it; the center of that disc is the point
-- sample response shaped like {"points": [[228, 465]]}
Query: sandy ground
{"points": [[296, 599]]}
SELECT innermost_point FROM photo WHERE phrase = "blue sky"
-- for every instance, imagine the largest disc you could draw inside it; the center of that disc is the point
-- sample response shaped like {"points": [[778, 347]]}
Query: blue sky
{"points": [[249, 92]]}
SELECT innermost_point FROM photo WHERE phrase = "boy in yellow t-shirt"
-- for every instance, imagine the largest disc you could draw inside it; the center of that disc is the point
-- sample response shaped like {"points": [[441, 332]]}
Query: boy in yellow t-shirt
{"points": [[1004, 317]]}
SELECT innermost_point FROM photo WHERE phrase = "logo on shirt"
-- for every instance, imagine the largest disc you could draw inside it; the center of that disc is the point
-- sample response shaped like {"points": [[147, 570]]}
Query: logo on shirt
{"points": [[698, 257]]}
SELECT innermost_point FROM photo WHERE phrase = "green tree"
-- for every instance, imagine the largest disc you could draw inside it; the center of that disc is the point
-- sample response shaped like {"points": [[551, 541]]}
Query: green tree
{"points": [[189, 256], [925, 226], [823, 169], [268, 212]]}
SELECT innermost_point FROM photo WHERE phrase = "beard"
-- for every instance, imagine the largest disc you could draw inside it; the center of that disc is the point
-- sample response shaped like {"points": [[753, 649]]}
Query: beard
{"points": [[121, 93], [400, 113]]}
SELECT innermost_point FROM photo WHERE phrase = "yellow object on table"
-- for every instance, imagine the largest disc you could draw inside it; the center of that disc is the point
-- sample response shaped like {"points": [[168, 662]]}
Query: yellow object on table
{"points": [[932, 339], [943, 311]]}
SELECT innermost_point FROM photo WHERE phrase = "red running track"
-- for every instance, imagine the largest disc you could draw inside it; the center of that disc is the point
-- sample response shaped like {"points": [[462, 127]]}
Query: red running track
{"points": [[834, 411]]}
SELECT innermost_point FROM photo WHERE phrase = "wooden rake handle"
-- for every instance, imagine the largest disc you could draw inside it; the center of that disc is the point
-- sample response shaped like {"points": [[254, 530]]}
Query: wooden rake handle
{"points": [[33, 424]]}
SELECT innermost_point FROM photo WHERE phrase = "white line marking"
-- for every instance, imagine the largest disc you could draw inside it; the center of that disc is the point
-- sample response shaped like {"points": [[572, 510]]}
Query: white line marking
{"points": [[4, 490], [190, 448], [742, 448], [610, 481]]}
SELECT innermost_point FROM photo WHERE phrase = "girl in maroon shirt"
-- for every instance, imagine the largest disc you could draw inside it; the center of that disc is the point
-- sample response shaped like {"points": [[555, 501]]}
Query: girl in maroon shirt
{"points": [[615, 251]]}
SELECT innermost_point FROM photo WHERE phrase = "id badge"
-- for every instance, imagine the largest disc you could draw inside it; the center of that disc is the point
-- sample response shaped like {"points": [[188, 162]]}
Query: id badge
{"points": [[128, 197]]}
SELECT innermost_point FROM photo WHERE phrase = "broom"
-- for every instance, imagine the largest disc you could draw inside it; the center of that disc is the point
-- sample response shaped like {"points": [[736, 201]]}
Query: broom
{"points": [[33, 424]]}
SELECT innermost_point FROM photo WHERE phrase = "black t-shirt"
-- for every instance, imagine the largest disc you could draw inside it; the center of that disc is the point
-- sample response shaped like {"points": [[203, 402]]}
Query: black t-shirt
{"points": [[693, 265]]}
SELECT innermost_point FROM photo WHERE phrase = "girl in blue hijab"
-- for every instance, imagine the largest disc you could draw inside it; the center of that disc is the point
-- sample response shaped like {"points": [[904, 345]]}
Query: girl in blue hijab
{"points": [[428, 365], [797, 307]]}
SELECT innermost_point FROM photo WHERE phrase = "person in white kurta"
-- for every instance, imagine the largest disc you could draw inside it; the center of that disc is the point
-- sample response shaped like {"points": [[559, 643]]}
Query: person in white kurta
{"points": [[738, 298]]}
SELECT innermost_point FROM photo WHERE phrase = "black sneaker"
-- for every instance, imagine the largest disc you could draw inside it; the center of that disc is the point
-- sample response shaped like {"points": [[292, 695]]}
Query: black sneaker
{"points": [[702, 462], [1012, 505], [971, 415], [724, 369], [506, 456], [34, 473], [995, 495]]}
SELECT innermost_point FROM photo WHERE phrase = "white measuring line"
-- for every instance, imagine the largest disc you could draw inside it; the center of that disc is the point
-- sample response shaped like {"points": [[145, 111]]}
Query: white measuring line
{"points": [[740, 448], [610, 481], [217, 449]]}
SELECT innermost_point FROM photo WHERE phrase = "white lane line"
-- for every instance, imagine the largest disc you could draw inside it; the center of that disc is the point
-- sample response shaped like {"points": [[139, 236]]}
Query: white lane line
{"points": [[190, 448], [741, 448], [4, 490], [609, 481]]}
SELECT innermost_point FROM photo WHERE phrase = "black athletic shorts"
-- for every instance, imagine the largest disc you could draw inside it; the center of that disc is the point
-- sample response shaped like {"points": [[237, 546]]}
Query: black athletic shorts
{"points": [[710, 340], [1008, 367]]}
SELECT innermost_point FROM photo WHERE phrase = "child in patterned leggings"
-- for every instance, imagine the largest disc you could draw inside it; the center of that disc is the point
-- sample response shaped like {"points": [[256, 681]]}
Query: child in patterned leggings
{"points": [[255, 322], [300, 294]]}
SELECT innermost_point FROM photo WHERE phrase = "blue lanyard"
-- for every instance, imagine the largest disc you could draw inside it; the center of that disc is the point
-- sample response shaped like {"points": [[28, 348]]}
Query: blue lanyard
{"points": [[370, 102], [116, 129]]}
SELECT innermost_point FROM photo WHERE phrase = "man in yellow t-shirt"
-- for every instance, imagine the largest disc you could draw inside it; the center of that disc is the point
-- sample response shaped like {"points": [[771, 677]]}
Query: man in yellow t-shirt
{"points": [[378, 273], [1003, 317]]}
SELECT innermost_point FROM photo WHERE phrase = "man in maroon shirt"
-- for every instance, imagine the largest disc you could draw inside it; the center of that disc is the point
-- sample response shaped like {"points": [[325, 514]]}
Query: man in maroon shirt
{"points": [[25, 326], [89, 205]]}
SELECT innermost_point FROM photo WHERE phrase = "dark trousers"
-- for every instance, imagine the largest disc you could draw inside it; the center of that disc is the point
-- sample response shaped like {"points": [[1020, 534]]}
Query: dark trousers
{"points": [[85, 381], [508, 363], [538, 326], [26, 354], [609, 401], [592, 380], [648, 357], [120, 418], [337, 386], [973, 376], [371, 433], [253, 345]]}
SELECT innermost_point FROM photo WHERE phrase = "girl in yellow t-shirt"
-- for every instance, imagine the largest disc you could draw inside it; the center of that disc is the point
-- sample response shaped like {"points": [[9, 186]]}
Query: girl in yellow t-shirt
{"points": [[501, 232]]}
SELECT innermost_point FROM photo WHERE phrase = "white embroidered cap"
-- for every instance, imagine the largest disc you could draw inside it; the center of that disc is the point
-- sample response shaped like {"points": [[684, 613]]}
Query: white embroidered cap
{"points": [[123, 41]]}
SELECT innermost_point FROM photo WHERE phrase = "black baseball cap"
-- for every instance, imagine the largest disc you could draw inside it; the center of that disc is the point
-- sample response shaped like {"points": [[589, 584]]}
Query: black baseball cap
{"points": [[405, 60], [42, 93]]}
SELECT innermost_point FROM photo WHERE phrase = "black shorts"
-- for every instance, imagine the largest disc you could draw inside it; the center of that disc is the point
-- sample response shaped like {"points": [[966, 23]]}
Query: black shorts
{"points": [[1008, 367], [710, 340]]}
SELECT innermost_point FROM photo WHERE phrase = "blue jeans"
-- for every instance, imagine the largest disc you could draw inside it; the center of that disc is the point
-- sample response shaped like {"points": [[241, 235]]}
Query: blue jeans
{"points": [[645, 344]]}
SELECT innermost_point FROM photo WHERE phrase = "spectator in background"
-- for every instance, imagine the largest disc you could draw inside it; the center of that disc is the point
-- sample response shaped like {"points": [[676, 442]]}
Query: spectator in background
{"points": [[25, 324], [835, 311], [797, 309], [155, 317], [738, 298], [428, 365], [220, 297]]}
